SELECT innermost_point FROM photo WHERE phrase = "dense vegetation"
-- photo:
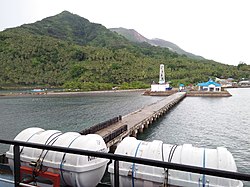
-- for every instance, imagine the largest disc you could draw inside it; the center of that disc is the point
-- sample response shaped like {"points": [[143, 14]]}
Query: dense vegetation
{"points": [[67, 50]]}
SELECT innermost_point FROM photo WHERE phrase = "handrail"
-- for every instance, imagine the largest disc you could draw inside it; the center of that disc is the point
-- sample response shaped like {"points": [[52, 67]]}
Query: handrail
{"points": [[117, 158], [93, 129]]}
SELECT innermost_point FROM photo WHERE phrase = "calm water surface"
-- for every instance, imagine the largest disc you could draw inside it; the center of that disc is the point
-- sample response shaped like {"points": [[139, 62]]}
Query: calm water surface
{"points": [[211, 123], [203, 122], [65, 113]]}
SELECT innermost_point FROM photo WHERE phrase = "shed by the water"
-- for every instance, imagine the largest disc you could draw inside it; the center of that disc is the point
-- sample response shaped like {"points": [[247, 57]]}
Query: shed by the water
{"points": [[209, 86], [181, 87]]}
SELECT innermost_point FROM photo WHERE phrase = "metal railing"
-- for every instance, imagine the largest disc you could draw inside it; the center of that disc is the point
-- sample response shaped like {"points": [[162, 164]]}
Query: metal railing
{"points": [[112, 135], [117, 158], [93, 129]]}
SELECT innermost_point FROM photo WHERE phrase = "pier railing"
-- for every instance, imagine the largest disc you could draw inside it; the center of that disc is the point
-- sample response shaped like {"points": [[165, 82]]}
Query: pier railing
{"points": [[93, 129], [115, 133], [117, 159]]}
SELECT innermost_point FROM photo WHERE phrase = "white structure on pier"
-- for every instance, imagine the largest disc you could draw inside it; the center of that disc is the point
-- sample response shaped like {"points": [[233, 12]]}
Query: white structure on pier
{"points": [[162, 86], [162, 75]]}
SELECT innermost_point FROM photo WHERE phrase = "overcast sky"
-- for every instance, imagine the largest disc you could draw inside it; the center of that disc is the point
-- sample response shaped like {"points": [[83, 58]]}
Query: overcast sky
{"points": [[214, 29]]}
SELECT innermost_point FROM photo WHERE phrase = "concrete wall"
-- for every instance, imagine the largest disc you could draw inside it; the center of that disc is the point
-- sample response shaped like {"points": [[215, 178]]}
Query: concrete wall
{"points": [[159, 87]]}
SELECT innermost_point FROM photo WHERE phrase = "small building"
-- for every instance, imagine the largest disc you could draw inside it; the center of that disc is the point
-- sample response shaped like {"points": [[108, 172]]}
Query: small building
{"points": [[162, 86], [209, 86], [245, 83], [225, 83], [181, 87]]}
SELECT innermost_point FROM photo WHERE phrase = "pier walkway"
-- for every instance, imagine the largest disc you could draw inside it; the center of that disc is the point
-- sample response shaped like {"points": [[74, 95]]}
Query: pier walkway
{"points": [[136, 121]]}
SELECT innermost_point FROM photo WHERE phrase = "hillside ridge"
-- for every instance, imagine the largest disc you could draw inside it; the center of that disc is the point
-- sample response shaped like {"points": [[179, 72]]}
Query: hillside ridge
{"points": [[135, 36]]}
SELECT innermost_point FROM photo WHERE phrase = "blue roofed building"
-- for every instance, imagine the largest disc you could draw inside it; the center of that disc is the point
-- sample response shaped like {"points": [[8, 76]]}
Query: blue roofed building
{"points": [[181, 87], [209, 86]]}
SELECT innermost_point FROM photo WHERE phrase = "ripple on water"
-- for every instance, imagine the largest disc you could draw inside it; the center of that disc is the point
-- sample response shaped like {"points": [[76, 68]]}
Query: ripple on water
{"points": [[203, 122]]}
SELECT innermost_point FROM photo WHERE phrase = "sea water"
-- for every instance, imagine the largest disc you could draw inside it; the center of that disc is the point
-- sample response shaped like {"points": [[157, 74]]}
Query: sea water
{"points": [[200, 121]]}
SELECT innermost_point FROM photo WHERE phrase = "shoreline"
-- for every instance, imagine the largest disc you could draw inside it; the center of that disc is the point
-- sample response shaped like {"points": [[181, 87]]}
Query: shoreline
{"points": [[20, 94], [82, 93]]}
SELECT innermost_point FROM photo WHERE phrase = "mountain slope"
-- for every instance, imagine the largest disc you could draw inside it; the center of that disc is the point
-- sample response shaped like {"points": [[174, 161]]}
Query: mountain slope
{"points": [[66, 49], [73, 28], [134, 36], [130, 34]]}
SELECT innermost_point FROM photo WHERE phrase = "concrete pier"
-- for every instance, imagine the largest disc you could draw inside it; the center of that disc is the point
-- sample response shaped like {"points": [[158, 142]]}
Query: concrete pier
{"points": [[140, 119]]}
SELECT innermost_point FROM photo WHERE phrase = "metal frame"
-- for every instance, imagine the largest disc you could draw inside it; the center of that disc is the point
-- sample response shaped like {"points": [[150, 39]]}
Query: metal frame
{"points": [[117, 158], [53, 177]]}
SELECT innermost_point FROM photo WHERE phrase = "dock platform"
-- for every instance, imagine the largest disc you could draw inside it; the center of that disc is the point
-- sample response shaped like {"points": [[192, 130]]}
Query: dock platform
{"points": [[224, 93], [136, 121]]}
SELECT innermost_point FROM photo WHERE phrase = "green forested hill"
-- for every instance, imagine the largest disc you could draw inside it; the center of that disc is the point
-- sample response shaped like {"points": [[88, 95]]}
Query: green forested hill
{"points": [[69, 50], [73, 28]]}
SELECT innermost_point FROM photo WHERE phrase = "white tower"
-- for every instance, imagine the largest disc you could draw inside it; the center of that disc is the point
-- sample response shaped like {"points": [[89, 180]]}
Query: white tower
{"points": [[162, 75]]}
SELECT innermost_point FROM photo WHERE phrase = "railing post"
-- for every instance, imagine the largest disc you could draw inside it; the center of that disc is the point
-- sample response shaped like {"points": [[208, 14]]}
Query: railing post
{"points": [[17, 164], [116, 173]]}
